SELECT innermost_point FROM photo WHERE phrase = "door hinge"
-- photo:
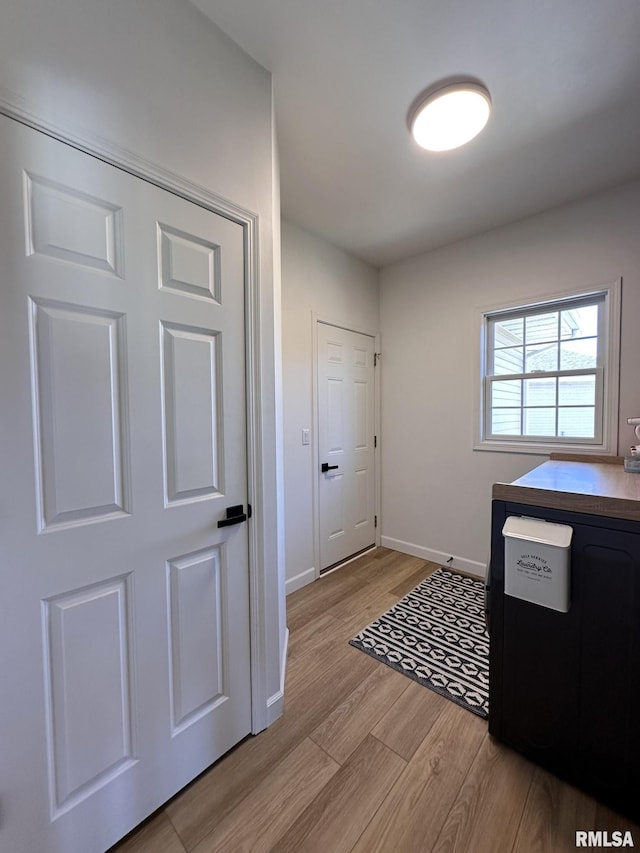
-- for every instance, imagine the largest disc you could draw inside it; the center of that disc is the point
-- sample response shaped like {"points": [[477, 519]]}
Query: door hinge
{"points": [[375, 520], [375, 440], [376, 358]]}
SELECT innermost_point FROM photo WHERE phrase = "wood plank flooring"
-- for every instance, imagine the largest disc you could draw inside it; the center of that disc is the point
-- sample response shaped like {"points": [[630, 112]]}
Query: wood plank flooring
{"points": [[364, 760]]}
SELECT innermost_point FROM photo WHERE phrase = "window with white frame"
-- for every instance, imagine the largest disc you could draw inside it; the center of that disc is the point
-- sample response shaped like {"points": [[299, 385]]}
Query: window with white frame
{"points": [[549, 374]]}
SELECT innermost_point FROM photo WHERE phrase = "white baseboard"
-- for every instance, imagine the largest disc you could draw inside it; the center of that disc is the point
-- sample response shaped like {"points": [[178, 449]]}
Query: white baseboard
{"points": [[298, 581], [275, 703], [470, 566]]}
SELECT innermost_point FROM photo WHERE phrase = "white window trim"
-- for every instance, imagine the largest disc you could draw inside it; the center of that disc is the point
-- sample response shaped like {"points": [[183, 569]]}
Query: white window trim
{"points": [[612, 312]]}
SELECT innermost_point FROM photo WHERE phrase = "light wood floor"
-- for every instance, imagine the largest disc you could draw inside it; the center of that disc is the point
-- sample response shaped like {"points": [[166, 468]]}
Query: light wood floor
{"points": [[366, 760]]}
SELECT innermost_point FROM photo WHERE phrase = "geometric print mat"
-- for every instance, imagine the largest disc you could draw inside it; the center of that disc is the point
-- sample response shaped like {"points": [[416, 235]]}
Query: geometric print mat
{"points": [[436, 635]]}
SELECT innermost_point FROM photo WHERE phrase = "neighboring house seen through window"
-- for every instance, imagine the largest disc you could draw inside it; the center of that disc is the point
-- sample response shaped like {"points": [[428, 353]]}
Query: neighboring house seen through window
{"points": [[550, 374]]}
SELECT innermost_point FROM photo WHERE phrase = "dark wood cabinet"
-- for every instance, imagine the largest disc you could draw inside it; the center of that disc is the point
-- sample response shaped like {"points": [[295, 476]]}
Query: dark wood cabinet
{"points": [[565, 687]]}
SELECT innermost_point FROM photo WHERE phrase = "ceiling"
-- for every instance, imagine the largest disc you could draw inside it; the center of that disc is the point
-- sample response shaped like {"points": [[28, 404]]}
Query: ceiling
{"points": [[564, 76]]}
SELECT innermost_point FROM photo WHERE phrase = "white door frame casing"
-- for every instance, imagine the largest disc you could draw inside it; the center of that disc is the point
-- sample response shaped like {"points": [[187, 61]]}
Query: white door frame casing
{"points": [[264, 709], [315, 450]]}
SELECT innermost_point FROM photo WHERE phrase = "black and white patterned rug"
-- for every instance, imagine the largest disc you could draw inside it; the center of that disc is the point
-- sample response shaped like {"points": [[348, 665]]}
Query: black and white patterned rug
{"points": [[436, 635]]}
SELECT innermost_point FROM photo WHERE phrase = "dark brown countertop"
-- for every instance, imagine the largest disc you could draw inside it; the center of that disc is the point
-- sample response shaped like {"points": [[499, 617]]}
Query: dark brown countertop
{"points": [[596, 485]]}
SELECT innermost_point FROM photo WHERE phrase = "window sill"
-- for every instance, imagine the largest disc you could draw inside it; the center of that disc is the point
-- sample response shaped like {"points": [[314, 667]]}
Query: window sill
{"points": [[542, 449]]}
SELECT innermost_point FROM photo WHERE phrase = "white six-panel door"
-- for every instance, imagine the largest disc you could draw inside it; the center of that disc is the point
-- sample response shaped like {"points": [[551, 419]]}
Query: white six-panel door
{"points": [[124, 629], [345, 443]]}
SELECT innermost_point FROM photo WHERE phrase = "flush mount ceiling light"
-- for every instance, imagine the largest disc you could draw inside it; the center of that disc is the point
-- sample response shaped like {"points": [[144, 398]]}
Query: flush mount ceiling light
{"points": [[450, 115]]}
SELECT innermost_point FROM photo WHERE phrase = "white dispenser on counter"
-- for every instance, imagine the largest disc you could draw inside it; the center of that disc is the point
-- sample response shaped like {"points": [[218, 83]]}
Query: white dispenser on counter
{"points": [[632, 462]]}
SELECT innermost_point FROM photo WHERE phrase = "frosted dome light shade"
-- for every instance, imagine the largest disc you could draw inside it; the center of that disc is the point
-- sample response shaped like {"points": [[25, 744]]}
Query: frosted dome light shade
{"points": [[451, 117]]}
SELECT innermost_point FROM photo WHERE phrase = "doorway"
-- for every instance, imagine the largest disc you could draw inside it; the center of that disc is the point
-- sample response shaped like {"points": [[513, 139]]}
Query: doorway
{"points": [[125, 651], [346, 401]]}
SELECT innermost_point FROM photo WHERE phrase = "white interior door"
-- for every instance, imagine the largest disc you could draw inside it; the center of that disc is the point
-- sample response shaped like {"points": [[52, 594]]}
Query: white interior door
{"points": [[346, 403], [124, 629]]}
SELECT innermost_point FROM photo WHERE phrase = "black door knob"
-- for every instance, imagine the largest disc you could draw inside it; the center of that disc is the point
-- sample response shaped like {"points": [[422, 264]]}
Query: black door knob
{"points": [[235, 515]]}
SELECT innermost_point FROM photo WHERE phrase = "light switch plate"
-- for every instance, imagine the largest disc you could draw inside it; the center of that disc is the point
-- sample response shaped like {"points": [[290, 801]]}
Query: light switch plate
{"points": [[305, 436]]}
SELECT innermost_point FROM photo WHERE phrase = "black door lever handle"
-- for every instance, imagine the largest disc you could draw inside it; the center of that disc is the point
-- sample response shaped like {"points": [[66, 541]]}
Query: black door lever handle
{"points": [[326, 467], [235, 515]]}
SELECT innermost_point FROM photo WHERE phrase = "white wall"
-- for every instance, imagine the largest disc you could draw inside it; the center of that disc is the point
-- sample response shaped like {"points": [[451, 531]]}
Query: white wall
{"points": [[316, 277], [436, 489], [159, 79], [154, 76]]}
